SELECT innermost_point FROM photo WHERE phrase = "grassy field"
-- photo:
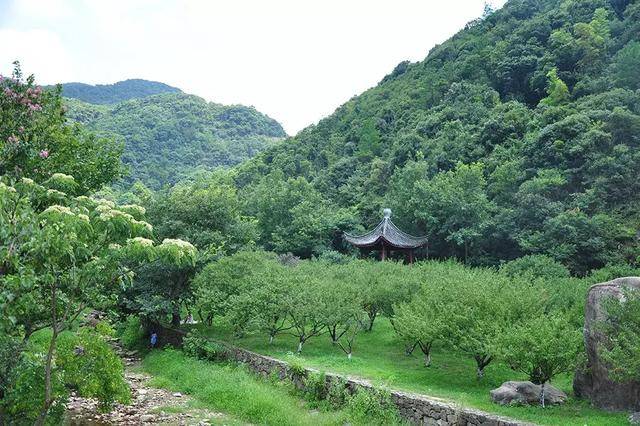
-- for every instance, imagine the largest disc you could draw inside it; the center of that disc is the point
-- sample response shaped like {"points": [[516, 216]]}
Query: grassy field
{"points": [[379, 357], [232, 390]]}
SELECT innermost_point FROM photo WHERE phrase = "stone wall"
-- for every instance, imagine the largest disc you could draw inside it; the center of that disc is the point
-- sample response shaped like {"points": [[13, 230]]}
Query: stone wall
{"points": [[417, 409]]}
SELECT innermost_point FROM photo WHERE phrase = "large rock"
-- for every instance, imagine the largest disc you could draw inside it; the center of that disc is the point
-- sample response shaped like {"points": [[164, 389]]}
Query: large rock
{"points": [[592, 381], [526, 393]]}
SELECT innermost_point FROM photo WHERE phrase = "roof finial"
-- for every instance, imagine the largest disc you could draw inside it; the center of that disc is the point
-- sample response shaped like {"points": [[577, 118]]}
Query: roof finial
{"points": [[387, 213]]}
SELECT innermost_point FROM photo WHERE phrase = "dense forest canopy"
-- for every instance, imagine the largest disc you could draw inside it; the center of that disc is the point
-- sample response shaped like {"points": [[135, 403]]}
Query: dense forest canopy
{"points": [[116, 92], [519, 135], [167, 136]]}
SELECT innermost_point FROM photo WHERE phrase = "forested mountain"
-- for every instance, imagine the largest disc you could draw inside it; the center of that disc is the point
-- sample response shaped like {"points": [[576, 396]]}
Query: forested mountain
{"points": [[519, 135], [116, 92], [169, 135]]}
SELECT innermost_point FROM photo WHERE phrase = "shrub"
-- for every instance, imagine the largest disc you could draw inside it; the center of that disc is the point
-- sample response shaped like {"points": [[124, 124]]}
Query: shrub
{"points": [[372, 407], [295, 365], [93, 368], [337, 393], [198, 346], [535, 266], [315, 388], [131, 333]]}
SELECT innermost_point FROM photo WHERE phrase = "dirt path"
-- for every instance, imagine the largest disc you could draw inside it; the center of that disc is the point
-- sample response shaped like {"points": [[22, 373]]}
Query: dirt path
{"points": [[149, 405]]}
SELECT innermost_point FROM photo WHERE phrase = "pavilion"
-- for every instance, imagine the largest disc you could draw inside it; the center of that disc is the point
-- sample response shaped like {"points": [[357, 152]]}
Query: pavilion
{"points": [[387, 237]]}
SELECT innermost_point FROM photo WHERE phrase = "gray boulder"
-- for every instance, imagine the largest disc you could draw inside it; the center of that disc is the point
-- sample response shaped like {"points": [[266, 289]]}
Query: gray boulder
{"points": [[526, 393], [592, 380]]}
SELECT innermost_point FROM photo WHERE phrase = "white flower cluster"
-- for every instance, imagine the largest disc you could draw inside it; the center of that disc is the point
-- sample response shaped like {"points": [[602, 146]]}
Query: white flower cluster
{"points": [[61, 177], [58, 209], [134, 208], [184, 245], [55, 193], [142, 241], [27, 181], [4, 187]]}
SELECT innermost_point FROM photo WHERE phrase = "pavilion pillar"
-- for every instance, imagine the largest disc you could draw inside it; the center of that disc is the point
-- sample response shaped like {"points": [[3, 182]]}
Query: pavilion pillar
{"points": [[410, 256], [383, 252]]}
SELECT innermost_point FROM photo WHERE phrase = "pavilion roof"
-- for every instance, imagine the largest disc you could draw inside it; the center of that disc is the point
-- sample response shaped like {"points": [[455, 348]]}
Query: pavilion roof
{"points": [[388, 233]]}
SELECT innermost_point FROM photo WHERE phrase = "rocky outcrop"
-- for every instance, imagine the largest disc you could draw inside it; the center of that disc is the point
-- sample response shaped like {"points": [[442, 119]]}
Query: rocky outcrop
{"points": [[526, 393], [592, 381]]}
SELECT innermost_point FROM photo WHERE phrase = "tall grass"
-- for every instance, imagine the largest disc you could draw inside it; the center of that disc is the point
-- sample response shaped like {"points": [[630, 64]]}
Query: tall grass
{"points": [[233, 390]]}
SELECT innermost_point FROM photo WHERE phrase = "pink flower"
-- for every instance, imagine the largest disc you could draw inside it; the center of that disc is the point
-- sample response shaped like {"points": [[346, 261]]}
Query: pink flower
{"points": [[12, 139], [44, 153], [21, 129]]}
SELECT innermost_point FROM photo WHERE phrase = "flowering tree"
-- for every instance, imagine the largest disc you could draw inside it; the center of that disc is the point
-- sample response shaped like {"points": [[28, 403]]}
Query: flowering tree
{"points": [[60, 255], [36, 140]]}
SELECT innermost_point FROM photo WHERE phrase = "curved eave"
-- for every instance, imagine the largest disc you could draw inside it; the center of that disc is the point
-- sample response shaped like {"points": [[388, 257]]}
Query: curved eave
{"points": [[362, 242]]}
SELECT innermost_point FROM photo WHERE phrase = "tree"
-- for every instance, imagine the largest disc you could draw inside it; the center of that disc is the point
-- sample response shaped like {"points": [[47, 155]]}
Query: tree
{"points": [[205, 211], [342, 307], [557, 90], [535, 267], [59, 256], [454, 205], [304, 307], [542, 347], [381, 286], [626, 64], [36, 141], [218, 284], [419, 322]]}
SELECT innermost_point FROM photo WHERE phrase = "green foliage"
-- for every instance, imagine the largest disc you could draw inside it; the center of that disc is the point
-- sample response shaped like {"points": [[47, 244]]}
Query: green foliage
{"points": [[535, 266], [372, 407], [114, 93], [229, 389], [92, 368], [36, 141], [131, 333], [197, 346], [517, 136], [315, 387], [625, 66], [205, 211], [623, 328], [541, 347], [293, 216], [557, 90], [169, 135], [84, 362]]}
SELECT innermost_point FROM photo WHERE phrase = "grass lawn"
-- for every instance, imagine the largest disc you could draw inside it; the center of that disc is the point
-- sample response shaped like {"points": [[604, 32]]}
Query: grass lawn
{"points": [[379, 357], [232, 390]]}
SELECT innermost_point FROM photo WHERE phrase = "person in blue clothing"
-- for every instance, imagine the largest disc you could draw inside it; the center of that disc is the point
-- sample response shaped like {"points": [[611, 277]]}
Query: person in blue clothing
{"points": [[154, 340]]}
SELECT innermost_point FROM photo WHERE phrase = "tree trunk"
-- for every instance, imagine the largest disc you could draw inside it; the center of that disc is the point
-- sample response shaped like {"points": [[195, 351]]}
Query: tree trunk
{"points": [[542, 396], [349, 355], [175, 317], [48, 397], [427, 359], [372, 317], [408, 349], [300, 343], [271, 338]]}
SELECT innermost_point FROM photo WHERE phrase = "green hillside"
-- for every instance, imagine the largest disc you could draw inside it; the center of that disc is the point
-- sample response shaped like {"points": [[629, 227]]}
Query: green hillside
{"points": [[169, 135], [116, 92], [518, 135]]}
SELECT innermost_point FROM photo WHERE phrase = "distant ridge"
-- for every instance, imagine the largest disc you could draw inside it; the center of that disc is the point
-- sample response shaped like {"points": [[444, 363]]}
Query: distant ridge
{"points": [[103, 94]]}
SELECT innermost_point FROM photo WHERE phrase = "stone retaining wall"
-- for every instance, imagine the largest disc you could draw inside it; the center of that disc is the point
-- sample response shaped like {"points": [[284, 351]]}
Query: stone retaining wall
{"points": [[417, 409]]}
